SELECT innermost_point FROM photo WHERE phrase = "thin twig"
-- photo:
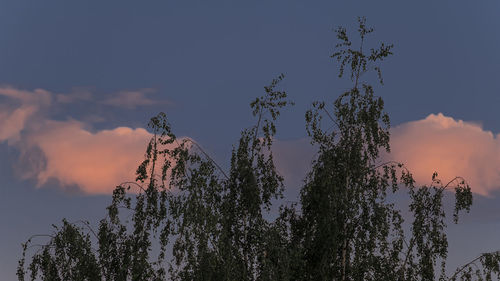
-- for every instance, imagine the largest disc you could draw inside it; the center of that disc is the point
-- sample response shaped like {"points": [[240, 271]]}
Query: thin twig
{"points": [[209, 158], [467, 264]]}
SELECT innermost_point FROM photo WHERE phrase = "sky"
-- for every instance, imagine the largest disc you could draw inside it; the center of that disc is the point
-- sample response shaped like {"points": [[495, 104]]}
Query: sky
{"points": [[79, 81]]}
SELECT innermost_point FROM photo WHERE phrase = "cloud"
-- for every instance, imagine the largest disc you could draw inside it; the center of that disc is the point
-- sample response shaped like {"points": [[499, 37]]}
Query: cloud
{"points": [[132, 99], [13, 122], [293, 159], [451, 148], [96, 162], [79, 94], [437, 143], [20, 106], [67, 151], [37, 97]]}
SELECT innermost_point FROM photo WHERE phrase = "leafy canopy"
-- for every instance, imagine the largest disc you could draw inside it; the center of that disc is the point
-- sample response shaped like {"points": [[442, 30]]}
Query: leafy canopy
{"points": [[188, 219]]}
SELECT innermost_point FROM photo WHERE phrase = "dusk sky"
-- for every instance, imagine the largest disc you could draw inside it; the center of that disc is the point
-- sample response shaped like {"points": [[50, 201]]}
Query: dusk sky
{"points": [[79, 81]]}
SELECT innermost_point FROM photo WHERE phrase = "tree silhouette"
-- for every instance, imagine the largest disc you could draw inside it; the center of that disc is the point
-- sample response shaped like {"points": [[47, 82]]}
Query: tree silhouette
{"points": [[190, 220]]}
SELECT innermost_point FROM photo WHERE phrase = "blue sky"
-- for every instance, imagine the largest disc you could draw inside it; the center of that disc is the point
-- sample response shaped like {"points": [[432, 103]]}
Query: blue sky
{"points": [[112, 64]]}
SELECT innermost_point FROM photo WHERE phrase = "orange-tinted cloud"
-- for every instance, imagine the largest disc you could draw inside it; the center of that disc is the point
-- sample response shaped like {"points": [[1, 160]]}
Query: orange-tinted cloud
{"points": [[37, 97], [435, 144], [451, 148], [20, 105], [95, 162], [12, 122], [68, 151]]}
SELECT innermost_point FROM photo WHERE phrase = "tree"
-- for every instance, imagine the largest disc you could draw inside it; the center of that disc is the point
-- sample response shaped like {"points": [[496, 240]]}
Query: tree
{"points": [[348, 229], [214, 219], [213, 224]]}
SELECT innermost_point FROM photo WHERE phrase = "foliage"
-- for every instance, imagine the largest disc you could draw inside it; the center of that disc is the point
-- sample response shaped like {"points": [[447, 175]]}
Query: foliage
{"points": [[216, 225], [349, 230]]}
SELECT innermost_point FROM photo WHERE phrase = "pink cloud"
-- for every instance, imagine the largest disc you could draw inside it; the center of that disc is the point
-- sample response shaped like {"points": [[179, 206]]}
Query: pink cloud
{"points": [[451, 148], [435, 144], [95, 162], [70, 153], [67, 151], [21, 105], [13, 122], [38, 97]]}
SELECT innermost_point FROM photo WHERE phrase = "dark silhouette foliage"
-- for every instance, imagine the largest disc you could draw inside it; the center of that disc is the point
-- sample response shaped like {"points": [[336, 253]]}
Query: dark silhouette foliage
{"points": [[188, 219]]}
